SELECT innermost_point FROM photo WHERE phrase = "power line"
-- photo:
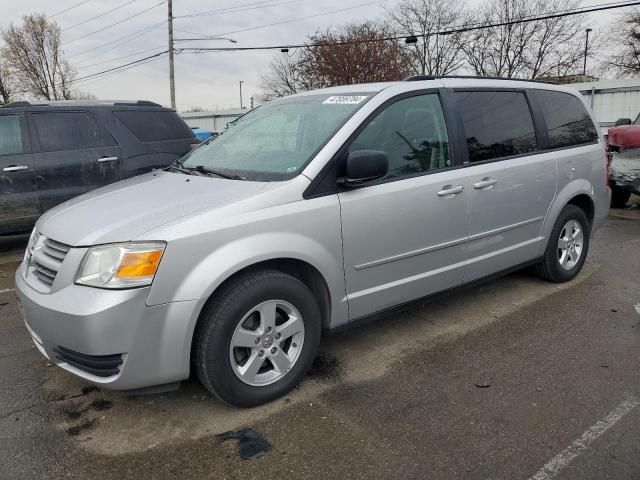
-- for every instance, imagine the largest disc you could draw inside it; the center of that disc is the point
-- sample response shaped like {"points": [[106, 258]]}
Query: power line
{"points": [[108, 73], [222, 10], [81, 66], [102, 75], [99, 15], [238, 8], [70, 8], [120, 67], [120, 40], [284, 21], [449, 31], [114, 24]]}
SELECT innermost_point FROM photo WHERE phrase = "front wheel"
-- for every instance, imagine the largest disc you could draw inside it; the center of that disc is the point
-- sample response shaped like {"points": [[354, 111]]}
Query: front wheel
{"points": [[258, 338], [568, 246]]}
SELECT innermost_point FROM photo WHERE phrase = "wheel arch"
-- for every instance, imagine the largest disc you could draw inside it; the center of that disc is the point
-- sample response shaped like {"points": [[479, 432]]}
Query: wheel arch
{"points": [[585, 202], [580, 193], [300, 269]]}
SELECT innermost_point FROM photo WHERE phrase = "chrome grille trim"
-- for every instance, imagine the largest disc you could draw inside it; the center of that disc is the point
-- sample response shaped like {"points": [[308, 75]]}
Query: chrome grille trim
{"points": [[47, 259]]}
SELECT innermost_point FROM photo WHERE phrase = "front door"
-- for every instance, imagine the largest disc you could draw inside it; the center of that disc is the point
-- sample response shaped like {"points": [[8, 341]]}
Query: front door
{"points": [[511, 181], [404, 237], [74, 155], [19, 206]]}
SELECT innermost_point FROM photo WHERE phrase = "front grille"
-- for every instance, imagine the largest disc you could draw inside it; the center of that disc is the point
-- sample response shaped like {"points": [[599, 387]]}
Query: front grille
{"points": [[48, 256], [98, 365], [44, 274], [55, 250]]}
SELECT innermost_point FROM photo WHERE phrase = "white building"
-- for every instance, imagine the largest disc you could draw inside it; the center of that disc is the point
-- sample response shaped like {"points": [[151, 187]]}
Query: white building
{"points": [[214, 120], [611, 99]]}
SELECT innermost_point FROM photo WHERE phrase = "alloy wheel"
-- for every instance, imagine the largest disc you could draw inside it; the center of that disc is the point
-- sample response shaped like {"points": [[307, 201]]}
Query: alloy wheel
{"points": [[267, 343], [570, 244]]}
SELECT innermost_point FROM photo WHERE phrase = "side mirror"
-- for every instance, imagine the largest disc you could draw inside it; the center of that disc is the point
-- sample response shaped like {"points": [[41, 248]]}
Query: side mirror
{"points": [[623, 121], [364, 166]]}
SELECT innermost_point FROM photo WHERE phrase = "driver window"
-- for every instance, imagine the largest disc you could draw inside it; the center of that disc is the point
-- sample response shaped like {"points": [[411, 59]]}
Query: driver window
{"points": [[412, 133]]}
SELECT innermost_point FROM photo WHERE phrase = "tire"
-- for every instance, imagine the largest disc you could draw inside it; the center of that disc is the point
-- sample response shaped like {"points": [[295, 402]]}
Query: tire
{"points": [[244, 311], [619, 197], [551, 266]]}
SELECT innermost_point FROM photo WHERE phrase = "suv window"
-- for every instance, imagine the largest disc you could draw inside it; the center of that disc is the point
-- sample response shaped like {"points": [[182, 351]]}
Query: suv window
{"points": [[154, 126], [67, 131], [496, 124], [10, 135], [568, 122], [412, 133]]}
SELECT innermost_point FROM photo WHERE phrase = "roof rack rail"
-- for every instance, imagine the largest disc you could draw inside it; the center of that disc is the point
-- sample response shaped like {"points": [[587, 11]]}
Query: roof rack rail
{"points": [[416, 78], [134, 103], [142, 103], [16, 104]]}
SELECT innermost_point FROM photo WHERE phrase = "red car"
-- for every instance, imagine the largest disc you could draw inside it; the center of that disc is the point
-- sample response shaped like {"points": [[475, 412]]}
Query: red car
{"points": [[623, 147]]}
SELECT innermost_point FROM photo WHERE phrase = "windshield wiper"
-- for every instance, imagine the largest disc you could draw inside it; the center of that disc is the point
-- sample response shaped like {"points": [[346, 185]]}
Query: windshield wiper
{"points": [[180, 168], [211, 171]]}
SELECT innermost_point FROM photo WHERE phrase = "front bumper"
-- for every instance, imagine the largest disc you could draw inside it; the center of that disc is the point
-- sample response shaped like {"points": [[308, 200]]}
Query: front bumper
{"points": [[98, 327]]}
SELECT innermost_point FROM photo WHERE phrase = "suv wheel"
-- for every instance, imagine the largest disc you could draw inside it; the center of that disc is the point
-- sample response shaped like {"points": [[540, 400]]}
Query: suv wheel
{"points": [[257, 338], [568, 246], [619, 197]]}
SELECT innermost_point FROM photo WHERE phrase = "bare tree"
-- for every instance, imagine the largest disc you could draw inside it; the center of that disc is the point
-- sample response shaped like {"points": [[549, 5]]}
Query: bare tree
{"points": [[351, 54], [283, 77], [529, 49], [432, 54], [32, 52], [625, 60], [558, 43], [6, 83]]}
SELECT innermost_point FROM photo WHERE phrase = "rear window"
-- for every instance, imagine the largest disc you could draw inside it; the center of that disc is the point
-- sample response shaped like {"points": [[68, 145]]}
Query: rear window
{"points": [[10, 135], [496, 124], [154, 126], [568, 122], [67, 131]]}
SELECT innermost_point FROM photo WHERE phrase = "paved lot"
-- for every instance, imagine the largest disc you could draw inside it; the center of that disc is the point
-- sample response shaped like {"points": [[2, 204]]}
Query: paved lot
{"points": [[515, 379]]}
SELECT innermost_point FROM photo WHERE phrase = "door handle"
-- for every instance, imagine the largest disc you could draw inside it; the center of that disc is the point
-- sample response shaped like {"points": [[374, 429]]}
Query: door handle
{"points": [[15, 168], [450, 190], [107, 159], [485, 184]]}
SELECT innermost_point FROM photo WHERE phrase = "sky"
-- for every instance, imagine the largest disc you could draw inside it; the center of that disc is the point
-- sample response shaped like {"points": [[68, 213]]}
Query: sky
{"points": [[205, 80]]}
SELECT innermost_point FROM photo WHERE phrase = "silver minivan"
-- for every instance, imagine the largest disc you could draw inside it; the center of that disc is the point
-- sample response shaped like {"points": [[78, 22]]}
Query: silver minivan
{"points": [[312, 213]]}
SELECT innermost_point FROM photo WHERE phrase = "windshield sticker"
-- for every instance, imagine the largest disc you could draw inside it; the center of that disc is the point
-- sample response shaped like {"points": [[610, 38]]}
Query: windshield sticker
{"points": [[345, 99]]}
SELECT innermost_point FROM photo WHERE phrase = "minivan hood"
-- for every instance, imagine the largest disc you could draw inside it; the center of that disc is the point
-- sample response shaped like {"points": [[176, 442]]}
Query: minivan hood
{"points": [[125, 210]]}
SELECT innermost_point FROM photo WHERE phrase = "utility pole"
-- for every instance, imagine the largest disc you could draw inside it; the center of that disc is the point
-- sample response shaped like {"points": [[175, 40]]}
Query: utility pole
{"points": [[172, 80], [241, 82], [586, 50]]}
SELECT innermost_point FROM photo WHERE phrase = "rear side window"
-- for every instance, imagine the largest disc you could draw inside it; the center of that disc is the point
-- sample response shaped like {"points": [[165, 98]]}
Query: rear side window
{"points": [[154, 126], [67, 131], [496, 124], [10, 135], [568, 122]]}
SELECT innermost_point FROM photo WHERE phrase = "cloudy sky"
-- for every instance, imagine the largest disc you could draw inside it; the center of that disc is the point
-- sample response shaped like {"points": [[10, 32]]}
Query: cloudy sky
{"points": [[208, 80]]}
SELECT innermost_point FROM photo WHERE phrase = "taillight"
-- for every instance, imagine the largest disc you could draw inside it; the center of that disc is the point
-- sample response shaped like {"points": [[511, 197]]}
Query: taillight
{"points": [[608, 156]]}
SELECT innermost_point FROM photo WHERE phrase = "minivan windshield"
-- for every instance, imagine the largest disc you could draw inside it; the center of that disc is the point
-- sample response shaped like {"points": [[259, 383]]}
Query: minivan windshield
{"points": [[275, 141]]}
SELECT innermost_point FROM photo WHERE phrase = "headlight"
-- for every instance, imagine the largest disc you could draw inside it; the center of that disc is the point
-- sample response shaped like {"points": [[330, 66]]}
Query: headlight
{"points": [[120, 265]]}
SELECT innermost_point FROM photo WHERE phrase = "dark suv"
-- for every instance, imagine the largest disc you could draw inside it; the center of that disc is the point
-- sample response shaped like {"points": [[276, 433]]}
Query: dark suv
{"points": [[52, 152]]}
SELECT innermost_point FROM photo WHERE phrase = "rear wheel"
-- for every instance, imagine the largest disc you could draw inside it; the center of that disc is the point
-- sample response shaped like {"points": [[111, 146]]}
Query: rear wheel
{"points": [[619, 197], [568, 246], [258, 338]]}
